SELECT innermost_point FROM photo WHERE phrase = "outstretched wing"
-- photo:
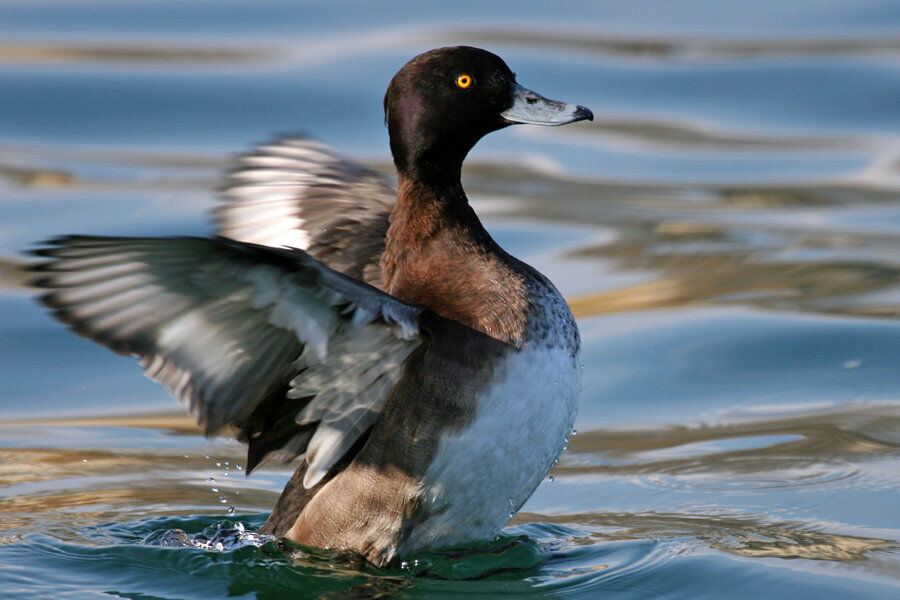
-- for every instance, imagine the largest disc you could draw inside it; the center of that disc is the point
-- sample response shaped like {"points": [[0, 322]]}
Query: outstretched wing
{"points": [[294, 356], [300, 193]]}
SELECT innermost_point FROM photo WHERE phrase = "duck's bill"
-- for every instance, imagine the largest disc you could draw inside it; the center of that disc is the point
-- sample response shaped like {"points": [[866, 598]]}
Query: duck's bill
{"points": [[532, 108]]}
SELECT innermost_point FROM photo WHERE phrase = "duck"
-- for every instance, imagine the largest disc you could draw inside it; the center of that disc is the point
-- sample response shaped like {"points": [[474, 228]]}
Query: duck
{"points": [[425, 379]]}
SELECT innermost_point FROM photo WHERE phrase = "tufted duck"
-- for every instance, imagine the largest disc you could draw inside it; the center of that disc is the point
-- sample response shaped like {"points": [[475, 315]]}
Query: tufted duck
{"points": [[427, 378]]}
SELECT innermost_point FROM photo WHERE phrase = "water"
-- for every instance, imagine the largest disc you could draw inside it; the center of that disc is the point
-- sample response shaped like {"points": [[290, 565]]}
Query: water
{"points": [[727, 232]]}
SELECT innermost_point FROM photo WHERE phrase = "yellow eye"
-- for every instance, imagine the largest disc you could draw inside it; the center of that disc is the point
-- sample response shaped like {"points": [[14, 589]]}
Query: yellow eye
{"points": [[464, 81]]}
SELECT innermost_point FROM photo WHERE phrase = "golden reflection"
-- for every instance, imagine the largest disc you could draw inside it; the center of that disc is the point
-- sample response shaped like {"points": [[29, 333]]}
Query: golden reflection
{"points": [[692, 279], [37, 178], [26, 506], [743, 536], [820, 445], [11, 53], [700, 136], [176, 422], [766, 246], [13, 274], [653, 294], [669, 47], [22, 465], [845, 429], [65, 510], [62, 489]]}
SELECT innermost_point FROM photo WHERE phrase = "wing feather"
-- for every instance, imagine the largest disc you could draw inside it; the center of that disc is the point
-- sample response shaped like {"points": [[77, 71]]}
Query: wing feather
{"points": [[300, 193], [270, 343]]}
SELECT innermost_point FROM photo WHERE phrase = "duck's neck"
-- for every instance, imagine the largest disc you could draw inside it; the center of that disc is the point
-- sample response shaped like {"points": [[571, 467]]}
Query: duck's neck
{"points": [[438, 254], [433, 160], [424, 211]]}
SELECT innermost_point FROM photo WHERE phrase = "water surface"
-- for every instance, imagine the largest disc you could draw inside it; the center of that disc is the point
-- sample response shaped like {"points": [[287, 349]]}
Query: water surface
{"points": [[727, 232]]}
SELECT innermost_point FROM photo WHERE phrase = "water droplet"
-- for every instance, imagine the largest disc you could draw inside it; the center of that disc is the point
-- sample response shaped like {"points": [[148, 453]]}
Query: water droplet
{"points": [[551, 478], [852, 364], [206, 456], [83, 460], [574, 432], [223, 499], [186, 456], [238, 467], [218, 464], [231, 512], [512, 508], [211, 481], [226, 462], [215, 489], [226, 474]]}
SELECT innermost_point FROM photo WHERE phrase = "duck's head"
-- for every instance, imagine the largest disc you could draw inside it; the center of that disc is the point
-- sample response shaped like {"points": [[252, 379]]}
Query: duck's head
{"points": [[443, 101]]}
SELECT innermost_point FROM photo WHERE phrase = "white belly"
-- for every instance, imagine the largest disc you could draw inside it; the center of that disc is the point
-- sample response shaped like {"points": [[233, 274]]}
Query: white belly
{"points": [[481, 476]]}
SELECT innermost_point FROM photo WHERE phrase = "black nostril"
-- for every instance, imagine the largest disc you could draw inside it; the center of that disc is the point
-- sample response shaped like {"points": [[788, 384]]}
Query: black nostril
{"points": [[530, 99]]}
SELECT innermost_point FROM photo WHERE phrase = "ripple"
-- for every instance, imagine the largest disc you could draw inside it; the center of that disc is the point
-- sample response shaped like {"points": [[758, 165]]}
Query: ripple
{"points": [[172, 57], [810, 446], [780, 542], [648, 555], [685, 48], [760, 476], [224, 537], [745, 535]]}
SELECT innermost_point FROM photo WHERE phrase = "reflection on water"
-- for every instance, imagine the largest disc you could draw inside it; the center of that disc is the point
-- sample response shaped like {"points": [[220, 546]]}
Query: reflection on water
{"points": [[727, 232], [43, 54], [745, 537], [689, 48]]}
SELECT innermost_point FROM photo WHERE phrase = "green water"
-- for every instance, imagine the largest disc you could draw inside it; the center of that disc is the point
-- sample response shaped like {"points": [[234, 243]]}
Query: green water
{"points": [[727, 232]]}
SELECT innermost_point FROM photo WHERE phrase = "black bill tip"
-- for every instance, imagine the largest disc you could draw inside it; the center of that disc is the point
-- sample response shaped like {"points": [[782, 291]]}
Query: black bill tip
{"points": [[582, 113]]}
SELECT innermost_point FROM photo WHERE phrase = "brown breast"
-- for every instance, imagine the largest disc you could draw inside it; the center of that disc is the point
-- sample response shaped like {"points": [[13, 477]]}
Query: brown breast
{"points": [[439, 255]]}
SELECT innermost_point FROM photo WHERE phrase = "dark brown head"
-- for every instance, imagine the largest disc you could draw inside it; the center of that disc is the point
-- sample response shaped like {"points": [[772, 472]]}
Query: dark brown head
{"points": [[443, 101]]}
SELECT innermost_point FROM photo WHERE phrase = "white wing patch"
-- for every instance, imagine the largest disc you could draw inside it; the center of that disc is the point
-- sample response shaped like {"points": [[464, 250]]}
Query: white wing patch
{"points": [[263, 195], [266, 194], [300, 193]]}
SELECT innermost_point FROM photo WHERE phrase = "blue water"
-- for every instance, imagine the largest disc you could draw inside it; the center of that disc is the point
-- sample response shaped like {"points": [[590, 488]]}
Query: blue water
{"points": [[727, 232]]}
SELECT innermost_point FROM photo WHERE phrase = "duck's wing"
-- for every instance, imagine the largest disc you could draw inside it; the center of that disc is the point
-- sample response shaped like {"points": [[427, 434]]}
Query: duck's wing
{"points": [[291, 356], [300, 193]]}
